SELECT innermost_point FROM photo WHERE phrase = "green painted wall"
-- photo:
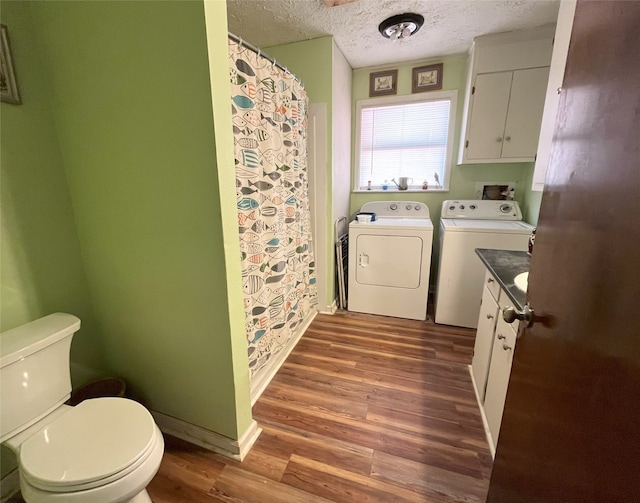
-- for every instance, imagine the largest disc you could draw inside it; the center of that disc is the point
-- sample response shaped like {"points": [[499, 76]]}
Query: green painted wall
{"points": [[463, 177], [131, 98], [312, 62], [41, 266], [42, 270], [532, 201], [220, 89]]}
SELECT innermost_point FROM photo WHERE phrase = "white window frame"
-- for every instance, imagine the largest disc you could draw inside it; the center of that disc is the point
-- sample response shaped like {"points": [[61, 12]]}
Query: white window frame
{"points": [[452, 96]]}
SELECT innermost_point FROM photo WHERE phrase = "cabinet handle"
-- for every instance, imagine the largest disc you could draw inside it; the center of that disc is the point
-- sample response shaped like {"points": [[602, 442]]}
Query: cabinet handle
{"points": [[499, 139], [490, 280], [505, 347], [500, 337], [507, 138], [489, 316]]}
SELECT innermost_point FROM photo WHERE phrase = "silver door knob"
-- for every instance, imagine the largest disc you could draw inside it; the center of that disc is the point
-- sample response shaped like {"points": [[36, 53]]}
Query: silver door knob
{"points": [[511, 314]]}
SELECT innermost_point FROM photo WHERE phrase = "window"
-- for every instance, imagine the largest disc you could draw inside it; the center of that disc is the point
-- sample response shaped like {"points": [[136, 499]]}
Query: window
{"points": [[410, 136]]}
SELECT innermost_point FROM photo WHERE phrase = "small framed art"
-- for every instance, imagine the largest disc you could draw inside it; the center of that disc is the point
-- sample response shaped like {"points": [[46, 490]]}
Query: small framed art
{"points": [[8, 86], [427, 78], [383, 83]]}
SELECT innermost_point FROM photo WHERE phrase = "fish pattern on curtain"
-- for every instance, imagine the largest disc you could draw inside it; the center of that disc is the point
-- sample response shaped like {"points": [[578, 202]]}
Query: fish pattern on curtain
{"points": [[269, 109]]}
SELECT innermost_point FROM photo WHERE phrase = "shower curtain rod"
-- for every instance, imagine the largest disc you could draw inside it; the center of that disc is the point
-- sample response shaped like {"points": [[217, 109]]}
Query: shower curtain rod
{"points": [[259, 52]]}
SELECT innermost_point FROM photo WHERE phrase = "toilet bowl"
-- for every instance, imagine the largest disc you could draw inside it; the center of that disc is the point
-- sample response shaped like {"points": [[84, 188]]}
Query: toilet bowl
{"points": [[104, 450]]}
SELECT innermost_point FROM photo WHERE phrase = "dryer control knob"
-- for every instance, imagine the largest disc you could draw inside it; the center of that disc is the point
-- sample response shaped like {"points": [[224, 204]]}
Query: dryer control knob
{"points": [[417, 207], [408, 206], [393, 206], [505, 208], [473, 206], [452, 207], [462, 206]]}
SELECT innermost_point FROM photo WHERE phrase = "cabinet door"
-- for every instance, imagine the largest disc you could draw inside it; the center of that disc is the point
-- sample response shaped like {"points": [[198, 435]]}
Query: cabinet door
{"points": [[504, 344], [488, 115], [484, 341], [526, 103]]}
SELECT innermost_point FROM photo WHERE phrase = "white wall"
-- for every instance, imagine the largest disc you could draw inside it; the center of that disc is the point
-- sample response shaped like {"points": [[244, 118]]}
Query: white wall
{"points": [[341, 125]]}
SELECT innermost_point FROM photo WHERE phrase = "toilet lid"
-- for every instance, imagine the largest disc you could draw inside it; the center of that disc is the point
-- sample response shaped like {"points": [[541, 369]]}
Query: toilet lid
{"points": [[92, 441]]}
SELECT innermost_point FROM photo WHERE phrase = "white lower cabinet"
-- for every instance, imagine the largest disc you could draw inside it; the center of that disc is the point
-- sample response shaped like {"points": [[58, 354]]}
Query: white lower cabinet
{"points": [[484, 340], [504, 343], [492, 357]]}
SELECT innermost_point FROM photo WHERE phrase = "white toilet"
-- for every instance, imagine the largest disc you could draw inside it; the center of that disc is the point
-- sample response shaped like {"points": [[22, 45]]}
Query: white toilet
{"points": [[104, 450]]}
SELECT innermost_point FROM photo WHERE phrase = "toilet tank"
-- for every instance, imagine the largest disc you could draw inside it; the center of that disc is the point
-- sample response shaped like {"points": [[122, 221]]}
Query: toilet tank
{"points": [[34, 371]]}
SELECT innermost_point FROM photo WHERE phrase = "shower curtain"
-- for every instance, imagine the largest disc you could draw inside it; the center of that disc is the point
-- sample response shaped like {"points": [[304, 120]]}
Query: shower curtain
{"points": [[269, 109]]}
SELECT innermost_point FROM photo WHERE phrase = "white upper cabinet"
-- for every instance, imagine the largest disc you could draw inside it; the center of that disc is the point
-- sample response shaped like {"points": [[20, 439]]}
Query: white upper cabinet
{"points": [[488, 115], [552, 99], [504, 100]]}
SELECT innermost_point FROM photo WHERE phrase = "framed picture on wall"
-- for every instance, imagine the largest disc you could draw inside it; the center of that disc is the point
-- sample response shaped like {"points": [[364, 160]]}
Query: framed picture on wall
{"points": [[427, 78], [8, 86], [383, 83]]}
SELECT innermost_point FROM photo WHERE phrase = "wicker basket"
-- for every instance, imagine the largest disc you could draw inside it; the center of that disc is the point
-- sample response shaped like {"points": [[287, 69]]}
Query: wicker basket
{"points": [[110, 386]]}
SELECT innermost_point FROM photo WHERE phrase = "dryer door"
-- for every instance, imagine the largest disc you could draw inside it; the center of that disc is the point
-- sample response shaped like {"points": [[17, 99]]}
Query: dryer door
{"points": [[394, 261]]}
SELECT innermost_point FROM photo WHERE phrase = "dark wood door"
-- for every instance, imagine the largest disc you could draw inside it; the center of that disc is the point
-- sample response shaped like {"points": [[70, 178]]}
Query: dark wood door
{"points": [[571, 425]]}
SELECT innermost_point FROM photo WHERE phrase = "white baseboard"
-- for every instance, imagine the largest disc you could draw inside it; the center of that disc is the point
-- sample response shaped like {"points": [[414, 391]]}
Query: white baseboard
{"points": [[260, 382], [485, 423], [330, 309], [235, 449], [9, 485]]}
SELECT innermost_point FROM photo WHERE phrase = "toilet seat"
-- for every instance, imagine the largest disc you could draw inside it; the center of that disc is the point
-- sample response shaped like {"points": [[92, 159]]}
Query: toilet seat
{"points": [[93, 444]]}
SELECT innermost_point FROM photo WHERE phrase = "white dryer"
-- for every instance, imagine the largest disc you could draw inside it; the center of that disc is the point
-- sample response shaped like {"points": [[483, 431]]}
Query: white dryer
{"points": [[464, 226], [390, 260]]}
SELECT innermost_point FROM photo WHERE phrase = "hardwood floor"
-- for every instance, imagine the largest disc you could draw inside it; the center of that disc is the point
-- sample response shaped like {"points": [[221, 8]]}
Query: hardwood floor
{"points": [[365, 409]]}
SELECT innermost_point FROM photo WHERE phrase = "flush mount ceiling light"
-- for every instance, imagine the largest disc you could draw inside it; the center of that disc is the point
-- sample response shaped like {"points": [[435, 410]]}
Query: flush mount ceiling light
{"points": [[401, 26]]}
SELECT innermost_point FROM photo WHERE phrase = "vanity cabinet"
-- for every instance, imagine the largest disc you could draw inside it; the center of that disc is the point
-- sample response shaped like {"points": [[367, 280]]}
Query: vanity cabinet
{"points": [[504, 344], [505, 93], [492, 356], [484, 336]]}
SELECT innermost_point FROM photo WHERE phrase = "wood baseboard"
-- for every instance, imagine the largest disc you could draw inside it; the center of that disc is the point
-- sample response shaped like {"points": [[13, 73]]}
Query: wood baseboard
{"points": [[9, 485], [330, 309], [235, 449], [260, 382], [485, 423]]}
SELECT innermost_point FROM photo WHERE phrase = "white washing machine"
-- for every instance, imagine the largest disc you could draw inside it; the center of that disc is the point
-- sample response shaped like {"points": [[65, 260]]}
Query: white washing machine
{"points": [[390, 260], [464, 226]]}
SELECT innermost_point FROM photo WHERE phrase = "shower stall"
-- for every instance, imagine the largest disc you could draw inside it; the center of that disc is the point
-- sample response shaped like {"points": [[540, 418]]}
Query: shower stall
{"points": [[269, 115]]}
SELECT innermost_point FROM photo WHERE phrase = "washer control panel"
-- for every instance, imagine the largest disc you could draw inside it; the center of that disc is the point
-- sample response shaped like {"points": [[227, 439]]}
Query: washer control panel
{"points": [[401, 209], [481, 209]]}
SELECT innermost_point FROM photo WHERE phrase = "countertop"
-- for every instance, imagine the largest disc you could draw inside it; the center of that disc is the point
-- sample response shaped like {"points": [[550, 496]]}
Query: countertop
{"points": [[505, 265]]}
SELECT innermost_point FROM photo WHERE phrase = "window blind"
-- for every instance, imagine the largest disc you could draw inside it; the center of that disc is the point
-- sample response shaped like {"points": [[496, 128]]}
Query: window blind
{"points": [[404, 140]]}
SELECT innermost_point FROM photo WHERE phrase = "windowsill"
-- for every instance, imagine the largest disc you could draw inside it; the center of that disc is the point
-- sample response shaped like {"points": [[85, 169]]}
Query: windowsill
{"points": [[396, 191]]}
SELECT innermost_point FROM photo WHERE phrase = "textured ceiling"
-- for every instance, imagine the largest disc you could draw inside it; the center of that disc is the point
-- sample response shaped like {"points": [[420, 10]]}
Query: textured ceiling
{"points": [[449, 28]]}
